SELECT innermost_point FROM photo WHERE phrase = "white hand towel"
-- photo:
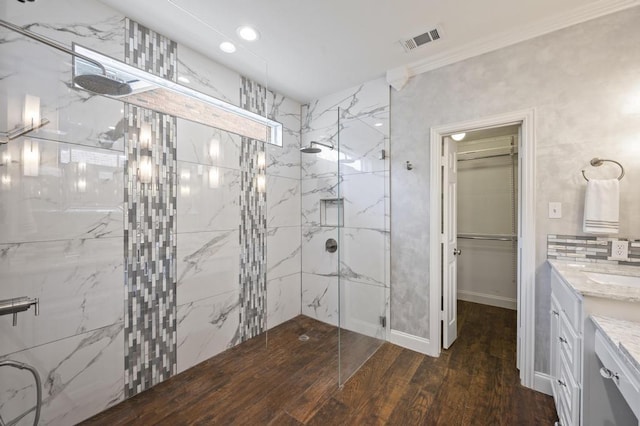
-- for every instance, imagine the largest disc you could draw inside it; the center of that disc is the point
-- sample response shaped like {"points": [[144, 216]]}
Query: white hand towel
{"points": [[601, 207]]}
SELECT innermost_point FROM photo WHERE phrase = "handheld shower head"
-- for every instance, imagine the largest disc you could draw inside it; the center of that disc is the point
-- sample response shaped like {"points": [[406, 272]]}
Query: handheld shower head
{"points": [[314, 150]]}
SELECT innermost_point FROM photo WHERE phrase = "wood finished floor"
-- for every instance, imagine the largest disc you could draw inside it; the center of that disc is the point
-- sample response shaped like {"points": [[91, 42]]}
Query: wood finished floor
{"points": [[295, 383]]}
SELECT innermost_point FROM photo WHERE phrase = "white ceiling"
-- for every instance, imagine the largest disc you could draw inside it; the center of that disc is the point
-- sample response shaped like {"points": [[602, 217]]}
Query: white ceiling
{"points": [[312, 48]]}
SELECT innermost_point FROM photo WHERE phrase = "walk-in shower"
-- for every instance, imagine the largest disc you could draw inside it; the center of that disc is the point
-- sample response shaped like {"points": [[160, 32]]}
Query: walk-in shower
{"points": [[136, 231]]}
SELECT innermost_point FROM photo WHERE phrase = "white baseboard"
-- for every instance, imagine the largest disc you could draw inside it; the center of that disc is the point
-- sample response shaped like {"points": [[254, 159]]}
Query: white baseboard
{"points": [[488, 299], [415, 343], [542, 383]]}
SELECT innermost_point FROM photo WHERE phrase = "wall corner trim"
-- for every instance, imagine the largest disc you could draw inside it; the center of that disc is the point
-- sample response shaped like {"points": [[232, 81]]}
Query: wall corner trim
{"points": [[414, 343], [398, 77], [542, 383]]}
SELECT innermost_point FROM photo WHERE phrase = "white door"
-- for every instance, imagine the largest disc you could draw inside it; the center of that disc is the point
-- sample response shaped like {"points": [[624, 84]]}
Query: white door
{"points": [[450, 250]]}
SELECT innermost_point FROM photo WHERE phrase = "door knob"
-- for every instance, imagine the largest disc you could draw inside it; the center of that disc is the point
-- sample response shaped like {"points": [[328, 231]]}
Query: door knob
{"points": [[457, 252]]}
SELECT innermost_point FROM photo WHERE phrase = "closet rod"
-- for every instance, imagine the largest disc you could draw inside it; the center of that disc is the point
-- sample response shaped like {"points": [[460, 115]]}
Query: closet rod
{"points": [[488, 237], [475, 151], [486, 156]]}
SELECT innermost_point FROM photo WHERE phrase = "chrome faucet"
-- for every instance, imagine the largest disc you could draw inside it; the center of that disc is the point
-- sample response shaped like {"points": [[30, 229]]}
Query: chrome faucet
{"points": [[18, 304]]}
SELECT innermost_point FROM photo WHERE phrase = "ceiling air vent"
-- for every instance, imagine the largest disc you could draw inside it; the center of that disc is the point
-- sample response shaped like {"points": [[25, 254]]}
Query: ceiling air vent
{"points": [[422, 39]]}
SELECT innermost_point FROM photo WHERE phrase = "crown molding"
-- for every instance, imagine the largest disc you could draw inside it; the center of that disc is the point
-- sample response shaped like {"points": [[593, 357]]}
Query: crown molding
{"points": [[399, 76]]}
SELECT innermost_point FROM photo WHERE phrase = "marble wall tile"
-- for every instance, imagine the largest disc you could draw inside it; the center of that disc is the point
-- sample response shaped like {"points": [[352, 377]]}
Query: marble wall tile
{"points": [[284, 161], [361, 146], [283, 252], [354, 171], [364, 200], [368, 101], [283, 299], [208, 77], [363, 318], [362, 255], [52, 191], [283, 202], [81, 376], [321, 165], [320, 298], [87, 22], [75, 115], [205, 145], [78, 283], [315, 259], [582, 83], [207, 327], [314, 190], [208, 264], [208, 198]]}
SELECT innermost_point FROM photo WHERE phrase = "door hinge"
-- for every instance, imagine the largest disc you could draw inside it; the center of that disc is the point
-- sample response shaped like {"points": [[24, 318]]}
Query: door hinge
{"points": [[441, 315], [383, 321]]}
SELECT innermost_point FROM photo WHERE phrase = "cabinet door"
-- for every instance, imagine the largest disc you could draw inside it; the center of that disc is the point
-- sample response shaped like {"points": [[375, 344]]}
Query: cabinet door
{"points": [[555, 347]]}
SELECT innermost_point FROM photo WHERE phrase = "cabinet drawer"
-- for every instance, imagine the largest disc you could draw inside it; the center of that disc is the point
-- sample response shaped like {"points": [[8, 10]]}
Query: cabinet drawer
{"points": [[570, 346], [569, 302], [569, 396], [623, 378]]}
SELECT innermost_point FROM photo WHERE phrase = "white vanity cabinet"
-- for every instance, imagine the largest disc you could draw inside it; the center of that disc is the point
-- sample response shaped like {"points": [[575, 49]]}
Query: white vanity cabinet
{"points": [[582, 395], [566, 351]]}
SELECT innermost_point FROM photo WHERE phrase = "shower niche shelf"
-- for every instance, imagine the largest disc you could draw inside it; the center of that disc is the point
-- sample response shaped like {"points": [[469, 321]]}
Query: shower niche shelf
{"points": [[332, 212]]}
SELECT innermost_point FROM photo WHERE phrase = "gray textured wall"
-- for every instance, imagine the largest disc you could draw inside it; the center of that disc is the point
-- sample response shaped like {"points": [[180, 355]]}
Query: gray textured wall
{"points": [[583, 82]]}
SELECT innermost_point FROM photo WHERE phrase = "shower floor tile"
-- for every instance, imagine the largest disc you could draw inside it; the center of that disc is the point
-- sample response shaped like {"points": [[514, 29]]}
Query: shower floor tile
{"points": [[291, 382]]}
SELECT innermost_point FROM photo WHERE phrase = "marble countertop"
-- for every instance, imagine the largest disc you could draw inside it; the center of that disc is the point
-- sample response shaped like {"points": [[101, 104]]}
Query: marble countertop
{"points": [[574, 274], [624, 335]]}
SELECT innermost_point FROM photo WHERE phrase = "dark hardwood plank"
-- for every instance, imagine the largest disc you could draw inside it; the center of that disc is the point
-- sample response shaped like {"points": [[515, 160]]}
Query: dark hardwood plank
{"points": [[283, 381]]}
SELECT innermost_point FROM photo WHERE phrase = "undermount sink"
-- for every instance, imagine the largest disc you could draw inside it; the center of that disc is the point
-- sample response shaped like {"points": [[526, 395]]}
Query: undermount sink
{"points": [[614, 279]]}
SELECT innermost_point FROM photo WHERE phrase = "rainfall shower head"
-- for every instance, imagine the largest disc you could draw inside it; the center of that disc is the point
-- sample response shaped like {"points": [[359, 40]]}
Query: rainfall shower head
{"points": [[102, 85], [310, 150], [314, 150]]}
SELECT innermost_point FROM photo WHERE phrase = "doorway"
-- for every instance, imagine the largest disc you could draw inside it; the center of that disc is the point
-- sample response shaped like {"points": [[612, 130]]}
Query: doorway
{"points": [[444, 248], [486, 219]]}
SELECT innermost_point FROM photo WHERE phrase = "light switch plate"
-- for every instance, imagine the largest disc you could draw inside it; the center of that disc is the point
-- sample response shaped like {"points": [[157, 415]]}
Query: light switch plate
{"points": [[555, 210], [619, 250]]}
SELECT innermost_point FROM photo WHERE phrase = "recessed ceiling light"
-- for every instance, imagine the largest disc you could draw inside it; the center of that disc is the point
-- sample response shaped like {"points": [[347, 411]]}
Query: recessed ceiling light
{"points": [[379, 124], [227, 47], [248, 33], [458, 136], [183, 79]]}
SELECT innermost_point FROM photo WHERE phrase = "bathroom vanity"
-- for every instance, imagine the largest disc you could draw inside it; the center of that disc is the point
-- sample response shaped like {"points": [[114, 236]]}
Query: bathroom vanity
{"points": [[595, 343]]}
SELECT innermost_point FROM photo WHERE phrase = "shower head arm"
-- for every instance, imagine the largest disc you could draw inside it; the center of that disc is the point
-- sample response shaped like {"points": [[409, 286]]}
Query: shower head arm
{"points": [[330, 146], [50, 43]]}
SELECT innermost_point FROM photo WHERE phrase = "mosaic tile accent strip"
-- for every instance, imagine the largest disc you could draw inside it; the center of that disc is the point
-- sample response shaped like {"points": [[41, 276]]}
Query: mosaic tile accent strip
{"points": [[150, 224], [589, 249], [150, 51], [253, 221]]}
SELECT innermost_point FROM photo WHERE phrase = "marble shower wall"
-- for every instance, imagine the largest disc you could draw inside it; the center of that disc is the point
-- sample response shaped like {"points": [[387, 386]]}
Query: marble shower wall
{"points": [[584, 85], [61, 218], [63, 226], [209, 219], [355, 172]]}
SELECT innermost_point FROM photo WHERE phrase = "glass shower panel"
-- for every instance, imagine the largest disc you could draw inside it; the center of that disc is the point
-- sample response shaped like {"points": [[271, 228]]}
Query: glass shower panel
{"points": [[363, 241]]}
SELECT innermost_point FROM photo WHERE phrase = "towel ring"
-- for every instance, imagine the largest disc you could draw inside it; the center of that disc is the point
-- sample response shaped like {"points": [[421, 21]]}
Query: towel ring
{"points": [[597, 162]]}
